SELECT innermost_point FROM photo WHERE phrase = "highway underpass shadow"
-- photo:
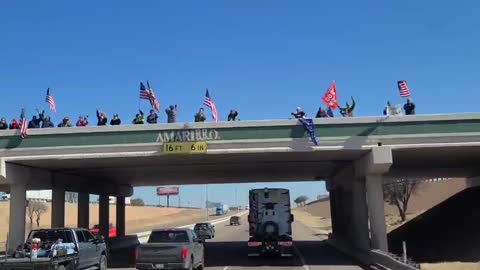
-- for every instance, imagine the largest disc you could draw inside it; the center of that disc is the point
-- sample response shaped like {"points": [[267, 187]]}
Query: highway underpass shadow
{"points": [[221, 254]]}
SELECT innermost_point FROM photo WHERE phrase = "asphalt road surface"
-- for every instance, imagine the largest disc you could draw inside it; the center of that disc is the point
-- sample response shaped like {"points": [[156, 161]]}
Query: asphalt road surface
{"points": [[228, 251]]}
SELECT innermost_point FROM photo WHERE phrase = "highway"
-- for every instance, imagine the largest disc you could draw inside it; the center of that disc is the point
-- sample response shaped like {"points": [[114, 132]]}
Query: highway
{"points": [[228, 251]]}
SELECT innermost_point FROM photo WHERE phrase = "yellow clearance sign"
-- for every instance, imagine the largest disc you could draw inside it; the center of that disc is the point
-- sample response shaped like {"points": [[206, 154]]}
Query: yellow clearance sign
{"points": [[185, 148]]}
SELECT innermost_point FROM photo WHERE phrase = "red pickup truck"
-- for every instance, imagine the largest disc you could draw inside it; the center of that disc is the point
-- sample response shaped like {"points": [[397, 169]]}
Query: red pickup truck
{"points": [[112, 231]]}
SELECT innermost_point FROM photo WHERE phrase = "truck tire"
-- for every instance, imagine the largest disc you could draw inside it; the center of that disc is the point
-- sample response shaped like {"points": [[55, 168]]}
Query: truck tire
{"points": [[102, 264]]}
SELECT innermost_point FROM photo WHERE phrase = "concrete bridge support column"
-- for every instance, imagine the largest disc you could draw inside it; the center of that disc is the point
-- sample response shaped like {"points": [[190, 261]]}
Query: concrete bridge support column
{"points": [[58, 207], [120, 223], [352, 209], [359, 214], [83, 210], [16, 226], [378, 230], [335, 218], [104, 215]]}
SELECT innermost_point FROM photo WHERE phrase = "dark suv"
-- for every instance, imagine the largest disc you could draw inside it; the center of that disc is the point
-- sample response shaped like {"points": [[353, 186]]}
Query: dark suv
{"points": [[204, 230], [235, 220]]}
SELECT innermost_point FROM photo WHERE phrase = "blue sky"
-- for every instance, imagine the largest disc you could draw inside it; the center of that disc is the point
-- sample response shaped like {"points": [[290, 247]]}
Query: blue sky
{"points": [[263, 58]]}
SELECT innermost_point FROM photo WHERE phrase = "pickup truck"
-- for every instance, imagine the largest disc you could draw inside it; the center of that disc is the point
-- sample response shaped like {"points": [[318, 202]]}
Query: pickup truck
{"points": [[171, 249], [77, 249]]}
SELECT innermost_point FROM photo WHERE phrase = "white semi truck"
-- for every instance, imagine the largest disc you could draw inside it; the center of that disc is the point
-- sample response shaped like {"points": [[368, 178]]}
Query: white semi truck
{"points": [[270, 222]]}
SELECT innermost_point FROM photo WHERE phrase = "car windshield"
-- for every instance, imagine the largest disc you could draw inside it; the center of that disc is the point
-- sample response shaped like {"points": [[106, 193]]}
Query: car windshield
{"points": [[202, 226], [234, 218], [168, 237]]}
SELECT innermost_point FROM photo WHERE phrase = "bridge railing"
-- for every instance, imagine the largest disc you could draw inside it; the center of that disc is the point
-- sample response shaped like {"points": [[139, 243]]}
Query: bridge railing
{"points": [[391, 261], [376, 259]]}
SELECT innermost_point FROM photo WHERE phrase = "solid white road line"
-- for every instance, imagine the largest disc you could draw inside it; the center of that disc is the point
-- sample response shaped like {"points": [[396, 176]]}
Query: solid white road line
{"points": [[302, 259], [225, 268]]}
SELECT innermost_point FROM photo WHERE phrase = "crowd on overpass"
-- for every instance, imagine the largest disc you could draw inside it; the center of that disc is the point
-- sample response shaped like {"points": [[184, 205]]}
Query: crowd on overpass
{"points": [[329, 98]]}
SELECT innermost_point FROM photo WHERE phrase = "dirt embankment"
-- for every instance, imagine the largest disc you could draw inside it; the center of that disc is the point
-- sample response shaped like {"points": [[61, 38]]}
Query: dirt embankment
{"points": [[428, 195], [137, 219]]}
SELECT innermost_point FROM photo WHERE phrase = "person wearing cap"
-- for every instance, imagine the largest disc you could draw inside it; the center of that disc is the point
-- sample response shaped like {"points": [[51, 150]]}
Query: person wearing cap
{"points": [[65, 122], [139, 119], [82, 121], [115, 120], [299, 113], [3, 123]]}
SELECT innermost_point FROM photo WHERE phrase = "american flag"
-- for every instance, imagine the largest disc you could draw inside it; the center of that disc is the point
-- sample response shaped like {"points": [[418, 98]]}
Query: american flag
{"points": [[23, 125], [50, 101], [402, 87], [147, 93], [207, 101]]}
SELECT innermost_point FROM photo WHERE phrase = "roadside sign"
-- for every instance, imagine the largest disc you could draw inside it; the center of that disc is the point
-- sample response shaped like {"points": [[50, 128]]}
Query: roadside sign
{"points": [[185, 147]]}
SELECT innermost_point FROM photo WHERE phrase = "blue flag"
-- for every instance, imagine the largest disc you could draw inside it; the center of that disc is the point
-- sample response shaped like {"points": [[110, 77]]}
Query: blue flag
{"points": [[310, 129]]}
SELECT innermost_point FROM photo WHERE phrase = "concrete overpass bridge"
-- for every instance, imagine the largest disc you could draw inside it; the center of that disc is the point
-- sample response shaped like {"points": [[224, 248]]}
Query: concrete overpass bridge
{"points": [[354, 157]]}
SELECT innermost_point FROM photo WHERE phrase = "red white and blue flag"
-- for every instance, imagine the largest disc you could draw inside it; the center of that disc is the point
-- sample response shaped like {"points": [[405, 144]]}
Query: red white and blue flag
{"points": [[23, 125], [50, 101], [207, 101], [147, 93], [402, 87]]}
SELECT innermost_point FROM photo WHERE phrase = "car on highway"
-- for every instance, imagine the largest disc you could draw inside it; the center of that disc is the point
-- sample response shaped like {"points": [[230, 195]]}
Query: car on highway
{"points": [[112, 230], [235, 220], [171, 249], [204, 230]]}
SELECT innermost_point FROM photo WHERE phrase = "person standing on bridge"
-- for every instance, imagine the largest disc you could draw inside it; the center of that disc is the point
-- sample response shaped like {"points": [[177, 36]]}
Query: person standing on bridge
{"points": [[152, 117], [409, 107], [47, 122], [34, 123], [102, 119], [321, 113], [82, 121], [171, 114], [348, 110], [65, 122], [232, 116], [139, 120], [200, 116], [115, 120], [14, 124], [299, 113], [3, 123]]}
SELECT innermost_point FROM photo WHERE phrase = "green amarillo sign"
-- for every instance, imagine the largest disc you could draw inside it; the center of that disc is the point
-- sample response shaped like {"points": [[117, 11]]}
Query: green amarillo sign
{"points": [[191, 135]]}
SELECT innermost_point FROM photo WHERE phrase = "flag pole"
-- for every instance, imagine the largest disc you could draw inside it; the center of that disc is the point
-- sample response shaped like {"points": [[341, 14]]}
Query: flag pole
{"points": [[139, 101]]}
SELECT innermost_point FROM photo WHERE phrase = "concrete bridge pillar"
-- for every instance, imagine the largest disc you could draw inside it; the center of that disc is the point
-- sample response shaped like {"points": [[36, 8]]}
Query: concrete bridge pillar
{"points": [[120, 222], [58, 207], [16, 226], [378, 230], [104, 215], [83, 210], [349, 209]]}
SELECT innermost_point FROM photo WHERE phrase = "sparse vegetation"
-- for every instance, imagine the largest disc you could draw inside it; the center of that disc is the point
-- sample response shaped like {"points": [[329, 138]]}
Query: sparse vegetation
{"points": [[301, 200], [35, 209], [398, 193], [71, 197], [137, 202]]}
